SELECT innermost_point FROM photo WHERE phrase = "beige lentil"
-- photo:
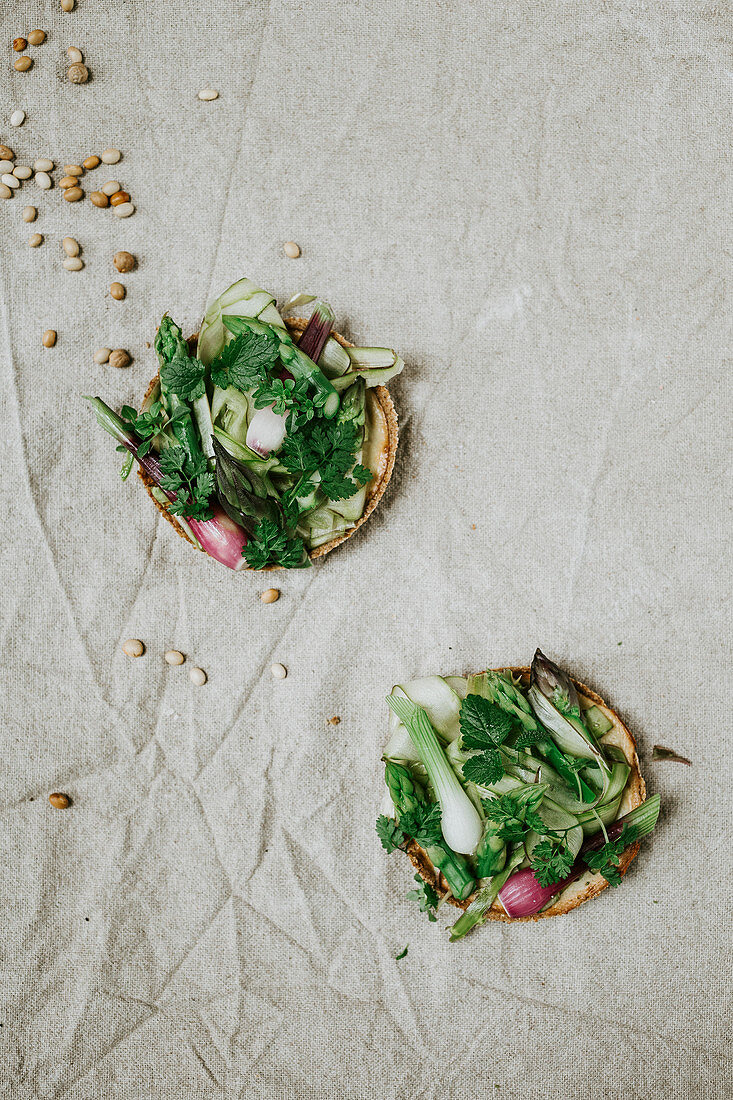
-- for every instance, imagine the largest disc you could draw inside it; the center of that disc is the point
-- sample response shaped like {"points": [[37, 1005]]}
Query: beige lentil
{"points": [[29, 213], [208, 94], [5, 192], [6, 166], [291, 249], [99, 199], [35, 240], [123, 261], [6, 152], [91, 162], [37, 38], [74, 54], [70, 246], [17, 118], [59, 801], [19, 44], [133, 647], [68, 181], [67, 5], [102, 355], [43, 164], [73, 170], [49, 338], [23, 64], [270, 595], [124, 210], [119, 358], [117, 291], [111, 187], [73, 263], [197, 676], [43, 180], [9, 180], [279, 671], [73, 194], [111, 156], [22, 172], [173, 657]]}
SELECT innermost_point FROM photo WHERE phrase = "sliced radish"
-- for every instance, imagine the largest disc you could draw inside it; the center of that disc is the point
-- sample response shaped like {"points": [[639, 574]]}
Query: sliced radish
{"points": [[266, 432]]}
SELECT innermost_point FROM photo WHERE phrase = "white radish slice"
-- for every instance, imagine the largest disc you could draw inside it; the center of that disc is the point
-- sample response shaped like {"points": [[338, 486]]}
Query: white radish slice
{"points": [[266, 432]]}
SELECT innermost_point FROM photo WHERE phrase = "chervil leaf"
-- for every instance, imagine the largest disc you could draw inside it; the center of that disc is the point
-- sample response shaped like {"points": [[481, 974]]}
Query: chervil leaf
{"points": [[389, 833], [484, 767], [551, 861], [515, 814], [295, 454], [361, 474], [270, 545], [425, 896], [191, 481], [483, 724], [423, 824], [245, 360]]}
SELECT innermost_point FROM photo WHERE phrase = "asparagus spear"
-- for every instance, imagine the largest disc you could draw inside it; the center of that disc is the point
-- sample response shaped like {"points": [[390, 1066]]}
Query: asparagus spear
{"points": [[407, 797], [501, 690]]}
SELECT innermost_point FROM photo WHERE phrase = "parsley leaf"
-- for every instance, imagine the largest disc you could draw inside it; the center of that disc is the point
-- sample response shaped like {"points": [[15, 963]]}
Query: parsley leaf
{"points": [[606, 859], [551, 861], [423, 824], [425, 896], [270, 545], [245, 360], [402, 953], [389, 833], [190, 479]]}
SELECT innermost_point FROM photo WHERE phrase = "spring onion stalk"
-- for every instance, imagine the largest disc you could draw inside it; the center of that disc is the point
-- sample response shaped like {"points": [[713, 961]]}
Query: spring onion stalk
{"points": [[407, 795], [477, 911], [220, 537], [501, 690], [317, 331], [523, 896], [460, 822]]}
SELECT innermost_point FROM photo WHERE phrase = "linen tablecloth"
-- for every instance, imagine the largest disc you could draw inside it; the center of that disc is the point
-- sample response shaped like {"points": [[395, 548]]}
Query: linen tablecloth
{"points": [[532, 203]]}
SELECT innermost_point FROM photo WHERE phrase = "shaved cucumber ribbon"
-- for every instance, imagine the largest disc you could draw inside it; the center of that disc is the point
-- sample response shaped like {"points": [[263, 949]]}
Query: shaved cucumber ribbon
{"points": [[442, 704]]}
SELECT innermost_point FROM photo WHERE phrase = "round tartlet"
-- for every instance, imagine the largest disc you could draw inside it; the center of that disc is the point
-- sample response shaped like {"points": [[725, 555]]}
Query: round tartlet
{"points": [[589, 885], [380, 456]]}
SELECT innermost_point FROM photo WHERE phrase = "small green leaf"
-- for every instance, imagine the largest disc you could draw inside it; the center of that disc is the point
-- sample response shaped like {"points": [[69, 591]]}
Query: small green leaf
{"points": [[389, 833]]}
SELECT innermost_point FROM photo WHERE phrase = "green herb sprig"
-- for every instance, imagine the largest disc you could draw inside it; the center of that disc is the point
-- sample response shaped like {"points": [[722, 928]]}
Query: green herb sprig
{"points": [[426, 898], [484, 727]]}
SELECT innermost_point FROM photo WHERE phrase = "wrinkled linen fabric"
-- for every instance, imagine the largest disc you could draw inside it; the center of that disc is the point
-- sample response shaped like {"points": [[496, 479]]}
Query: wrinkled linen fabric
{"points": [[532, 203]]}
